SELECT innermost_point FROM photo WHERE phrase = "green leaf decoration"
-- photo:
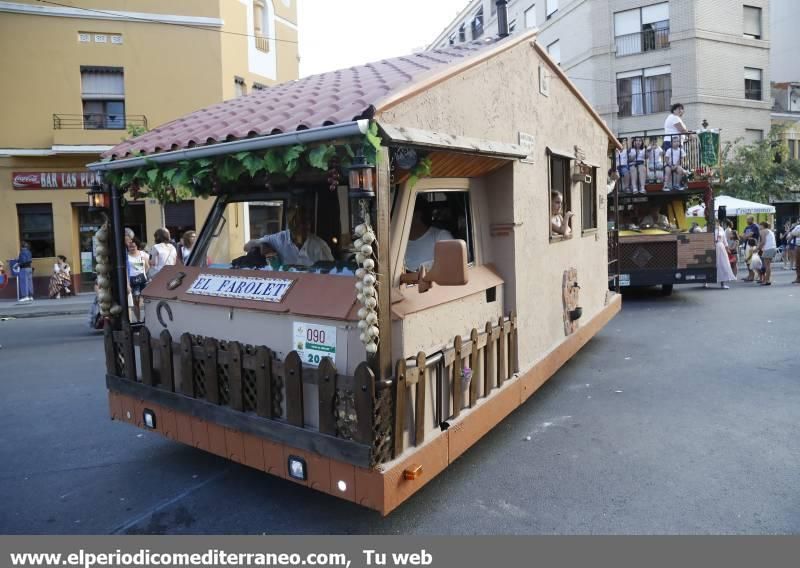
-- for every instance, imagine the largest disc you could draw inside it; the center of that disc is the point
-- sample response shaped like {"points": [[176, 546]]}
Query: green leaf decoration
{"points": [[273, 161], [152, 176], [293, 153], [320, 156]]}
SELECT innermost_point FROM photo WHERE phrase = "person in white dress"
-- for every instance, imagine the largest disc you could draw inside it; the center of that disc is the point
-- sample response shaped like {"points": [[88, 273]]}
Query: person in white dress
{"points": [[636, 165], [724, 272]]}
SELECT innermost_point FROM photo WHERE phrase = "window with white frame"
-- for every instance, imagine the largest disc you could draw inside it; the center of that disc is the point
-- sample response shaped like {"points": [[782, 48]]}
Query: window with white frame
{"points": [[752, 22], [530, 17], [642, 29], [103, 95], [551, 7], [261, 18], [554, 50], [644, 91], [752, 83], [477, 24], [753, 135]]}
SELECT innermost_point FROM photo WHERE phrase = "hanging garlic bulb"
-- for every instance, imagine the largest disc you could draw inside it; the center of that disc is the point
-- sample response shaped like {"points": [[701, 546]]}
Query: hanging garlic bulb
{"points": [[363, 313], [366, 250], [360, 273], [367, 290], [371, 347], [368, 238], [369, 280], [371, 317], [368, 264]]}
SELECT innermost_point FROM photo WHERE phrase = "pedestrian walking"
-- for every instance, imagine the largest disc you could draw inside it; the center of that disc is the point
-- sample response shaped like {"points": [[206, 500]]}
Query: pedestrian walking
{"points": [[163, 252], [768, 248], [25, 262]]}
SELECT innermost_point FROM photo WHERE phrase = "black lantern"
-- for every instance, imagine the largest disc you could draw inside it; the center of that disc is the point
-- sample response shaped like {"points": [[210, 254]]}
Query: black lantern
{"points": [[362, 190], [362, 181], [98, 198]]}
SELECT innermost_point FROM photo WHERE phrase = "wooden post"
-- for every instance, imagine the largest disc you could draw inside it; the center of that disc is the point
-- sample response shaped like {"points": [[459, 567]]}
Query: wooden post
{"points": [[365, 402], [293, 382], [111, 352], [166, 370], [327, 393], [399, 407], [187, 366], [502, 351], [381, 362], [473, 364], [514, 343], [458, 371], [488, 361], [419, 403], [146, 349], [264, 382], [211, 347], [235, 376], [129, 353]]}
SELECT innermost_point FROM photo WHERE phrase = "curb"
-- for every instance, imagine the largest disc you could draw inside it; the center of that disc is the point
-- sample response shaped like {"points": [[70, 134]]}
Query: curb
{"points": [[27, 315]]}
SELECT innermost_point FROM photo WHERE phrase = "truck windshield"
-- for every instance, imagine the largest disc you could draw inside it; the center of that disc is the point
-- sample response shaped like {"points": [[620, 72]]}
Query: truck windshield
{"points": [[296, 232]]}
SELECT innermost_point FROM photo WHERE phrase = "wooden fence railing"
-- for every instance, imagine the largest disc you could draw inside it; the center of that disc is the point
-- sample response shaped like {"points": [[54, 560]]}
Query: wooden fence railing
{"points": [[487, 359], [251, 379]]}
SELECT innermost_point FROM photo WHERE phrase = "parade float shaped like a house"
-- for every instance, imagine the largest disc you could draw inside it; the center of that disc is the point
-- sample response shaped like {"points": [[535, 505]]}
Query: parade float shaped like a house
{"points": [[357, 377]]}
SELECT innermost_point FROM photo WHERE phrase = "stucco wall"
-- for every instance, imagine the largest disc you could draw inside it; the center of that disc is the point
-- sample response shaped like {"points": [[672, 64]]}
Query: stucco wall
{"points": [[496, 100]]}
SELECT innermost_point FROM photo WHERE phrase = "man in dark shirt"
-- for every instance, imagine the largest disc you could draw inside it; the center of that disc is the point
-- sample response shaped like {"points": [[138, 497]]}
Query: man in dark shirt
{"points": [[751, 232]]}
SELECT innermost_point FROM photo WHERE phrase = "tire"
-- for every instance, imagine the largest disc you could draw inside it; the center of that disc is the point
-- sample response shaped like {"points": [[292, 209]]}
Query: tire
{"points": [[666, 289]]}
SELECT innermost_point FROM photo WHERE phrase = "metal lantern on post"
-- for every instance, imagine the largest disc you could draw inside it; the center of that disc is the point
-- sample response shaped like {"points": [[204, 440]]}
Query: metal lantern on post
{"points": [[361, 181], [98, 198]]}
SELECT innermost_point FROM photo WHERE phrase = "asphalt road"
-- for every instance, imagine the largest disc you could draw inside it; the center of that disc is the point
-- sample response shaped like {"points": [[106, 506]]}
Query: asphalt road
{"points": [[681, 416]]}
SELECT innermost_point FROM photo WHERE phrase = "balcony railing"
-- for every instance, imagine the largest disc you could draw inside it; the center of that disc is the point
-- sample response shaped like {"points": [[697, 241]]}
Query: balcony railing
{"points": [[647, 40], [644, 103], [97, 121], [262, 44], [701, 155]]}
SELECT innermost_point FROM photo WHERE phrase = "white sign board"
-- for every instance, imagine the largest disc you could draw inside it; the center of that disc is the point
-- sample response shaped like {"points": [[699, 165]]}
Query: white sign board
{"points": [[240, 287], [313, 342], [527, 141]]}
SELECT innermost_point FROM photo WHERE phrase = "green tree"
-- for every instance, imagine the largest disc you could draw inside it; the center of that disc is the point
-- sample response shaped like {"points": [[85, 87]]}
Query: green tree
{"points": [[761, 171]]}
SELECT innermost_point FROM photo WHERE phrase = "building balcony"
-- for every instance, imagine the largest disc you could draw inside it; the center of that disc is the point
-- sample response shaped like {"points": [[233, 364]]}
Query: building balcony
{"points": [[93, 129], [640, 42], [640, 104]]}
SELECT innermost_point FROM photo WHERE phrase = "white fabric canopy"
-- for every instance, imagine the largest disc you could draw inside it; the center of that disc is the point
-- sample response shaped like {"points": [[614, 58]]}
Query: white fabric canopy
{"points": [[733, 207]]}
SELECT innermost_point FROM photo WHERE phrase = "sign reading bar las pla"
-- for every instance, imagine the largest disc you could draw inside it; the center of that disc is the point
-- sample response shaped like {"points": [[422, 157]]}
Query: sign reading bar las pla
{"points": [[53, 180], [240, 287]]}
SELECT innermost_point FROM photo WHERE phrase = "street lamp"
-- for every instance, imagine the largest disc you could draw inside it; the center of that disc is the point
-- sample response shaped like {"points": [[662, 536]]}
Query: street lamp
{"points": [[362, 190], [98, 198]]}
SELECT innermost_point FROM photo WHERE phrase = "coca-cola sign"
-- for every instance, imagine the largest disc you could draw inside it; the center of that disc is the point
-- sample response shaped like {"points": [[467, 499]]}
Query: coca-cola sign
{"points": [[53, 180]]}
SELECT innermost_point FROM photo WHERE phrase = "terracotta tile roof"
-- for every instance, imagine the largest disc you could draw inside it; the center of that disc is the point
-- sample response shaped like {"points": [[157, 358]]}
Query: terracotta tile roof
{"points": [[318, 100]]}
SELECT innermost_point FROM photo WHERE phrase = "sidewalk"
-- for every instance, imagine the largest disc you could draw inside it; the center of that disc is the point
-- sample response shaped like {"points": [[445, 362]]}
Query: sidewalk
{"points": [[71, 305]]}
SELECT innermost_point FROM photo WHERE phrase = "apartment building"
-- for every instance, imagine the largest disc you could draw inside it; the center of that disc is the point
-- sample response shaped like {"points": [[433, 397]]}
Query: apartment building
{"points": [[632, 59], [76, 78]]}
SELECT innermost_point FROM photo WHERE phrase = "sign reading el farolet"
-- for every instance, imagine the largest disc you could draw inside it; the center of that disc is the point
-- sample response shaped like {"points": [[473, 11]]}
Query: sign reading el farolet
{"points": [[240, 287]]}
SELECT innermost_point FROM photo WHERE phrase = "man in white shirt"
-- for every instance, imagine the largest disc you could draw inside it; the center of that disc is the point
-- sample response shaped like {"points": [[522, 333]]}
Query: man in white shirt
{"points": [[297, 244], [423, 237], [674, 123]]}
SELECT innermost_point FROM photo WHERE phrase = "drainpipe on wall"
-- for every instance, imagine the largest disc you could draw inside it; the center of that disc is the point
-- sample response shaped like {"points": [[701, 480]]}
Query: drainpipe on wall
{"points": [[502, 17]]}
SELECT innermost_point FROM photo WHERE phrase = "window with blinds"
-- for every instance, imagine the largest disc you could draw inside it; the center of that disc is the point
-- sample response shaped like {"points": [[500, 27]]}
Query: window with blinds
{"points": [[752, 22], [103, 95], [752, 83]]}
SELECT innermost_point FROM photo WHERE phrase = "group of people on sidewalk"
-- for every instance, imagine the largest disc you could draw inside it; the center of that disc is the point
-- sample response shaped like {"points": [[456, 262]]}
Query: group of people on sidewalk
{"points": [[760, 251], [143, 265]]}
